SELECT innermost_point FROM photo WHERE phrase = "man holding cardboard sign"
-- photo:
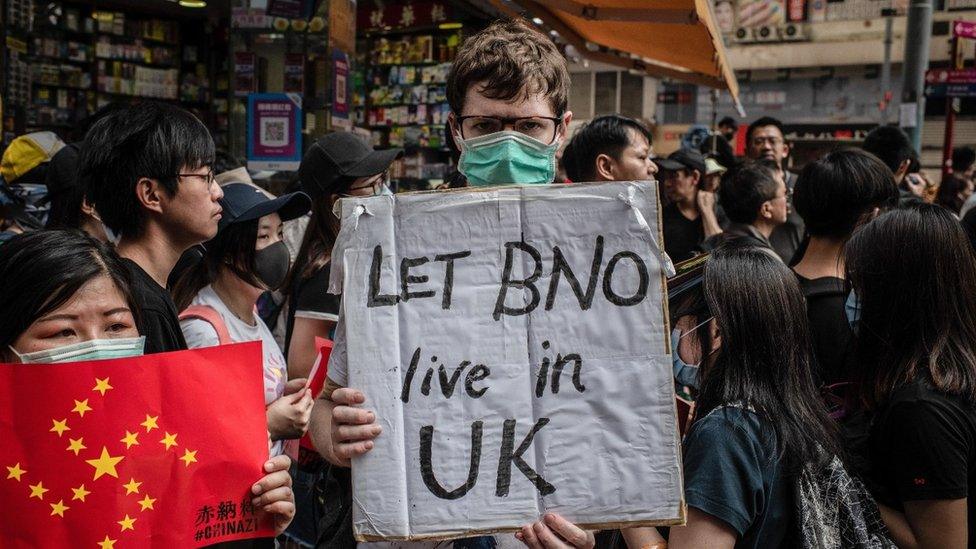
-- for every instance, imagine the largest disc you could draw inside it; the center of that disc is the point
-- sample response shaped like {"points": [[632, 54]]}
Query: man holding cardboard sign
{"points": [[516, 356]]}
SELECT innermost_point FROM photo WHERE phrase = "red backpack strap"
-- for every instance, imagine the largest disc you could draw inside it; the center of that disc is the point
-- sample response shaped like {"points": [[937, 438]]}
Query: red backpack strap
{"points": [[209, 315]]}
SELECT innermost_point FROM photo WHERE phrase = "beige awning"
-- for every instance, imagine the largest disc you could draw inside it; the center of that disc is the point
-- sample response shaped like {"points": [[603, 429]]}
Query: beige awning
{"points": [[664, 38]]}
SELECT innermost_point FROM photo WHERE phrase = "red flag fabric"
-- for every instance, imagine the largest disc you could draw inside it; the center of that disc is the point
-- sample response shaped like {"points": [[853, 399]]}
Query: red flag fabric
{"points": [[152, 451], [316, 378]]}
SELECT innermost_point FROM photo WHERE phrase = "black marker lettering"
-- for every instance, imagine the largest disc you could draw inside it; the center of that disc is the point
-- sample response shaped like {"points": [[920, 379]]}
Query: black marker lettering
{"points": [[449, 275], [507, 458], [641, 286], [560, 267], [427, 468], [529, 282], [375, 299]]}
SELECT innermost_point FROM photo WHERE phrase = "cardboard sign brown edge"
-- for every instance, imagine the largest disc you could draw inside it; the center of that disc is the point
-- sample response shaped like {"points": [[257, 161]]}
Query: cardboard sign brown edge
{"points": [[682, 508]]}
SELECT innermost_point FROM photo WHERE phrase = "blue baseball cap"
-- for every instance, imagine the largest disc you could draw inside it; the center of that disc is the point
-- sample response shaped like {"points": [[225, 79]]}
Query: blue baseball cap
{"points": [[243, 202]]}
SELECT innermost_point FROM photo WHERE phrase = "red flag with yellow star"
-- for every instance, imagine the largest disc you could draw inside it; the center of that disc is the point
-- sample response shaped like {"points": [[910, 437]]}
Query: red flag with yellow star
{"points": [[153, 451]]}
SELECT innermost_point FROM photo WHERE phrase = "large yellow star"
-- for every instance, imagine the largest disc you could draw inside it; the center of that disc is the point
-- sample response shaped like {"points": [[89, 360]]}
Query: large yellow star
{"points": [[101, 385], [60, 426], [150, 423], [132, 487], [81, 406], [80, 493], [58, 508], [105, 464], [37, 490], [169, 440], [189, 457], [127, 523], [130, 440], [147, 502], [107, 543], [15, 472], [76, 445]]}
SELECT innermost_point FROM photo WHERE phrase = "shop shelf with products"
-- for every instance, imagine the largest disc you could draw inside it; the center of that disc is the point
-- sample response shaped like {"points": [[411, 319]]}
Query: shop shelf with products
{"points": [[403, 98]]}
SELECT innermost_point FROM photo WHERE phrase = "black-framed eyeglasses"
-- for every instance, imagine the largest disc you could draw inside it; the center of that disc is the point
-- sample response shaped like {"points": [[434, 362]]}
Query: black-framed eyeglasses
{"points": [[375, 184], [210, 176], [542, 128]]}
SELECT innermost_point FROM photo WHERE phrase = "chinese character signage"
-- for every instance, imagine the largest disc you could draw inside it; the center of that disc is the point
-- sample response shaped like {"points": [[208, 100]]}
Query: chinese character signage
{"points": [[403, 15], [290, 9], [274, 131], [152, 451], [245, 73]]}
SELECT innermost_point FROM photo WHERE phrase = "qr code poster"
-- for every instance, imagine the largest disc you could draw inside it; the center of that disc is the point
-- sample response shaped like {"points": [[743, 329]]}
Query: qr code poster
{"points": [[274, 131]]}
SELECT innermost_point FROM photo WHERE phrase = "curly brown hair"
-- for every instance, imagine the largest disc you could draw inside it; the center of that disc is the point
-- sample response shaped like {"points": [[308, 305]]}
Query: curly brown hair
{"points": [[510, 60]]}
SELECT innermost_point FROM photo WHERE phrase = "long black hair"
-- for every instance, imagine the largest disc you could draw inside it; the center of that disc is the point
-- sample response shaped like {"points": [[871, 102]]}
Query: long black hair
{"points": [[233, 247], [914, 272], [41, 270], [765, 359]]}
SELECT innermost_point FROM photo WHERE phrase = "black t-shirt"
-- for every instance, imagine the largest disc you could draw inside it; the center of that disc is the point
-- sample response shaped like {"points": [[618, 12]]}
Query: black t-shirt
{"points": [[311, 299], [733, 471], [160, 321], [831, 333], [682, 236], [923, 446]]}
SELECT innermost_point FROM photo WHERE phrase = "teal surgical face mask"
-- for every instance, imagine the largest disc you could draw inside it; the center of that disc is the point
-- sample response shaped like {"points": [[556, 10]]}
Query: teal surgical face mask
{"points": [[507, 157], [93, 349]]}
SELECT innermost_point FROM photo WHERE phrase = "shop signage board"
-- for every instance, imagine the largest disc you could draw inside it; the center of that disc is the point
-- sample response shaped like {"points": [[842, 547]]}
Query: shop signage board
{"points": [[245, 73], [964, 29], [950, 76], [290, 9], [513, 343], [403, 15], [340, 89], [274, 131], [950, 90]]}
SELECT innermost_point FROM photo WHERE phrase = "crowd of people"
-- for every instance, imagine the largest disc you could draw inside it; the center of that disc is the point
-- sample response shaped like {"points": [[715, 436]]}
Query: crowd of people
{"points": [[835, 326]]}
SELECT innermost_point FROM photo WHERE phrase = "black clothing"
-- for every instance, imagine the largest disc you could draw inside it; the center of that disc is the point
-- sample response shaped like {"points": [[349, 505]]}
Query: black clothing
{"points": [[682, 236], [832, 336], [739, 233], [923, 446], [786, 238], [160, 321], [311, 299], [969, 224]]}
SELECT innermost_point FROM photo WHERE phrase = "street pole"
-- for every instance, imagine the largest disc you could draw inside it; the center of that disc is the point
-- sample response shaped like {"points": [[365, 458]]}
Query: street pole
{"points": [[886, 67], [952, 107], [918, 35]]}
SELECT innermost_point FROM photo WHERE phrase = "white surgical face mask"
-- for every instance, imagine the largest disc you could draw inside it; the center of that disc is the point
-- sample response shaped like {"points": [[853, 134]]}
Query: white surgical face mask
{"points": [[93, 349]]}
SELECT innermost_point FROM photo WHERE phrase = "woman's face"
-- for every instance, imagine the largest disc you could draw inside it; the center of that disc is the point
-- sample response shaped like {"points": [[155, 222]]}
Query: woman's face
{"points": [[270, 230], [690, 347], [98, 310]]}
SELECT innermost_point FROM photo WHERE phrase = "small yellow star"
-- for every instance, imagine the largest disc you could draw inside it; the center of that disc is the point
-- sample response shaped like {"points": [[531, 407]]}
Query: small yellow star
{"points": [[101, 385], [80, 493], [150, 423], [189, 457], [107, 543], [105, 464], [58, 508], [132, 487], [130, 440], [81, 406], [147, 502], [127, 523], [76, 445], [15, 472], [37, 490], [60, 426], [168, 441]]}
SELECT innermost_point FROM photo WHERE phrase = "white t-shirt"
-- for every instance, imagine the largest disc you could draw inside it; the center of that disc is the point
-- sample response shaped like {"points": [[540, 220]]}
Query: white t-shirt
{"points": [[199, 333]]}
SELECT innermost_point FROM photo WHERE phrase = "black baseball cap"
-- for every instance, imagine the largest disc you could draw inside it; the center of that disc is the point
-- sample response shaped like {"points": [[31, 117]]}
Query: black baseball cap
{"points": [[683, 159], [244, 202], [341, 154]]}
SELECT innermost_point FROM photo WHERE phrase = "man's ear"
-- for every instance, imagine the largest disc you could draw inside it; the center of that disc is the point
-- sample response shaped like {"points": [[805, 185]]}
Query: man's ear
{"points": [[902, 170], [88, 208], [605, 168], [563, 129], [452, 124], [149, 194], [787, 147], [766, 210]]}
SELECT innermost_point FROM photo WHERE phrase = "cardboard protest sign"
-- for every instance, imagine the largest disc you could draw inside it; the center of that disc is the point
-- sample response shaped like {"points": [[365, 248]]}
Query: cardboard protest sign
{"points": [[154, 451], [513, 344]]}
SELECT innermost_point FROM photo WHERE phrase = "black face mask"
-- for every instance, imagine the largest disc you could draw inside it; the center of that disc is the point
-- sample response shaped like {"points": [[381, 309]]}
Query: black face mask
{"points": [[271, 265]]}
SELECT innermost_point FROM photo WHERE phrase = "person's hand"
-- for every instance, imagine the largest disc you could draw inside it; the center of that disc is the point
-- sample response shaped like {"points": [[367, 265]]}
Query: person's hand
{"points": [[706, 201], [273, 494], [915, 184], [295, 385], [353, 429], [555, 532], [288, 415]]}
